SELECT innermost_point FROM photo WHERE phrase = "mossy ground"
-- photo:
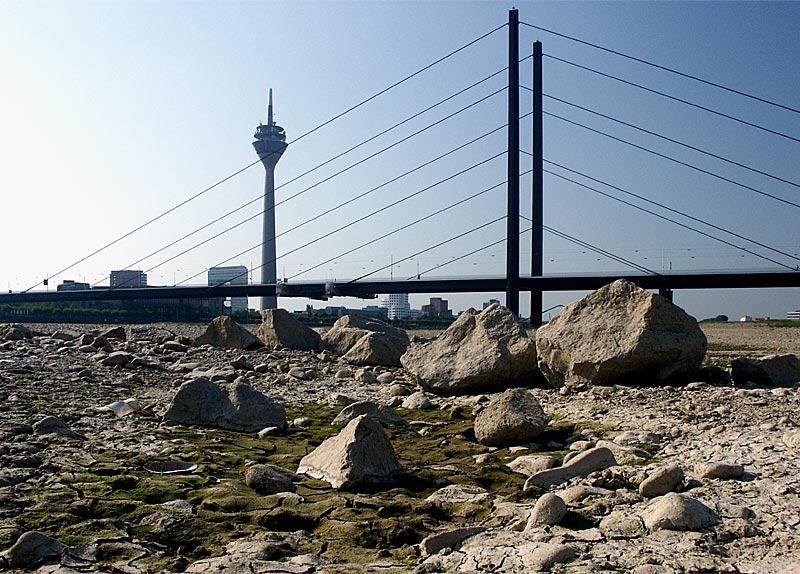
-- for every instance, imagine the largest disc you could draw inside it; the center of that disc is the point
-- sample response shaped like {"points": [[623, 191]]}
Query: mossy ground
{"points": [[111, 494]]}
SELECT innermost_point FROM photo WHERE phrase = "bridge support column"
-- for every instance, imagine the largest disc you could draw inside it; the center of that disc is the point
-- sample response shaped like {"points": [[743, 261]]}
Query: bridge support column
{"points": [[666, 293], [512, 229], [537, 219]]}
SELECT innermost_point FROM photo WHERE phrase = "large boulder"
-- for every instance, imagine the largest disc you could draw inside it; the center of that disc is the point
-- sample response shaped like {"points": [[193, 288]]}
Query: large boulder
{"points": [[360, 455], [514, 417], [479, 351], [620, 334], [236, 406], [14, 332], [366, 341], [279, 329], [226, 333], [772, 370]]}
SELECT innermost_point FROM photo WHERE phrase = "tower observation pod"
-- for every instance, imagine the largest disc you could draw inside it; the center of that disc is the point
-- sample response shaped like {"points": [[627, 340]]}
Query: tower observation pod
{"points": [[270, 144]]}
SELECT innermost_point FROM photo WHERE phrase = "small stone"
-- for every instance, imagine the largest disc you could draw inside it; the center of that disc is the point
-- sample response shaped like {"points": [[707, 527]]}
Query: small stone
{"points": [[546, 555], [582, 465], [439, 541], [678, 512], [269, 479], [31, 549], [661, 481], [529, 464], [385, 378], [549, 510], [514, 417], [719, 470], [417, 401], [297, 373], [303, 422], [53, 425]]}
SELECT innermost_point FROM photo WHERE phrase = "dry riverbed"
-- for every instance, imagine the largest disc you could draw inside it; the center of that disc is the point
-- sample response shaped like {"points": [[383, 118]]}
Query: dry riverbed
{"points": [[93, 494]]}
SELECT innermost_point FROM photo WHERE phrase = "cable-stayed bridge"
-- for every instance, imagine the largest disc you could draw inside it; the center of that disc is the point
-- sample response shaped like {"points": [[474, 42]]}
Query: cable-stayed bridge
{"points": [[518, 182]]}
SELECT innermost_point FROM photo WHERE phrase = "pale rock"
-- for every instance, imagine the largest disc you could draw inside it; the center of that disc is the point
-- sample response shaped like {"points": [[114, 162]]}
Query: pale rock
{"points": [[225, 333], [460, 494], [628, 438], [487, 350], [675, 511], [579, 492], [343, 373], [174, 346], [365, 376], [625, 454], [661, 480], [514, 417], [620, 525], [360, 455], [583, 464], [279, 329], [721, 470], [772, 370], [546, 555], [121, 408], [529, 464], [620, 334], [234, 407], [376, 349], [417, 401], [549, 510], [386, 378], [366, 341]]}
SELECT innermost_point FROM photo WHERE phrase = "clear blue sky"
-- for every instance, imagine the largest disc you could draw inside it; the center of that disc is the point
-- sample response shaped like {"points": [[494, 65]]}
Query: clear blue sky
{"points": [[113, 112]]}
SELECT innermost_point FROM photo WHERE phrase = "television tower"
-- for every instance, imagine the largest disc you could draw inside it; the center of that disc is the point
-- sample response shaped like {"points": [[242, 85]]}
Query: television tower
{"points": [[270, 144]]}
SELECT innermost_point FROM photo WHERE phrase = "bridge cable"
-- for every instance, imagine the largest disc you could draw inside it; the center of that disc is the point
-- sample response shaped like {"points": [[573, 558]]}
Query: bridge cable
{"points": [[664, 68], [351, 223], [351, 166], [594, 248], [432, 247], [679, 162], [309, 132], [675, 98], [397, 230], [676, 211], [663, 137], [665, 218]]}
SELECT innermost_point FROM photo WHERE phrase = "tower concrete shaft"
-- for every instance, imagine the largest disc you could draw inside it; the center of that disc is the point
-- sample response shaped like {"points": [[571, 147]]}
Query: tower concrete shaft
{"points": [[269, 145]]}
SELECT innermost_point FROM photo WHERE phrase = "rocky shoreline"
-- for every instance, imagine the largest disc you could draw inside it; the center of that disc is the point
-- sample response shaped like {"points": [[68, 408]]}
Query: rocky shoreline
{"points": [[706, 476]]}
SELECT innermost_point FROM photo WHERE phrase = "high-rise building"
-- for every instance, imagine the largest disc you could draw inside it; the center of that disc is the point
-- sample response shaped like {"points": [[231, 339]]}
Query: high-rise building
{"points": [[270, 144], [437, 307], [127, 278], [397, 306], [231, 275]]}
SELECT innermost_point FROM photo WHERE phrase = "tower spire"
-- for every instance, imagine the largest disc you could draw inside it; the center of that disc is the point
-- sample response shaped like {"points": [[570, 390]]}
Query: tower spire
{"points": [[269, 109]]}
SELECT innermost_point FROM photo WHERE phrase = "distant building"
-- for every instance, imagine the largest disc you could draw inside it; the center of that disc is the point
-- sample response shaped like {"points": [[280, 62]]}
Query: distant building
{"points": [[397, 306], [70, 285], [438, 308], [746, 319], [793, 315], [128, 279], [490, 302], [231, 275]]}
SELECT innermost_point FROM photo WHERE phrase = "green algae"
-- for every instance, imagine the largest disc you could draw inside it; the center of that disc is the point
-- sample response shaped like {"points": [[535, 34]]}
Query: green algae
{"points": [[384, 521]]}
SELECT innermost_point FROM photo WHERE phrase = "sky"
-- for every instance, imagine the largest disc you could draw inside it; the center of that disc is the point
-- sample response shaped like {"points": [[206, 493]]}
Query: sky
{"points": [[115, 112]]}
